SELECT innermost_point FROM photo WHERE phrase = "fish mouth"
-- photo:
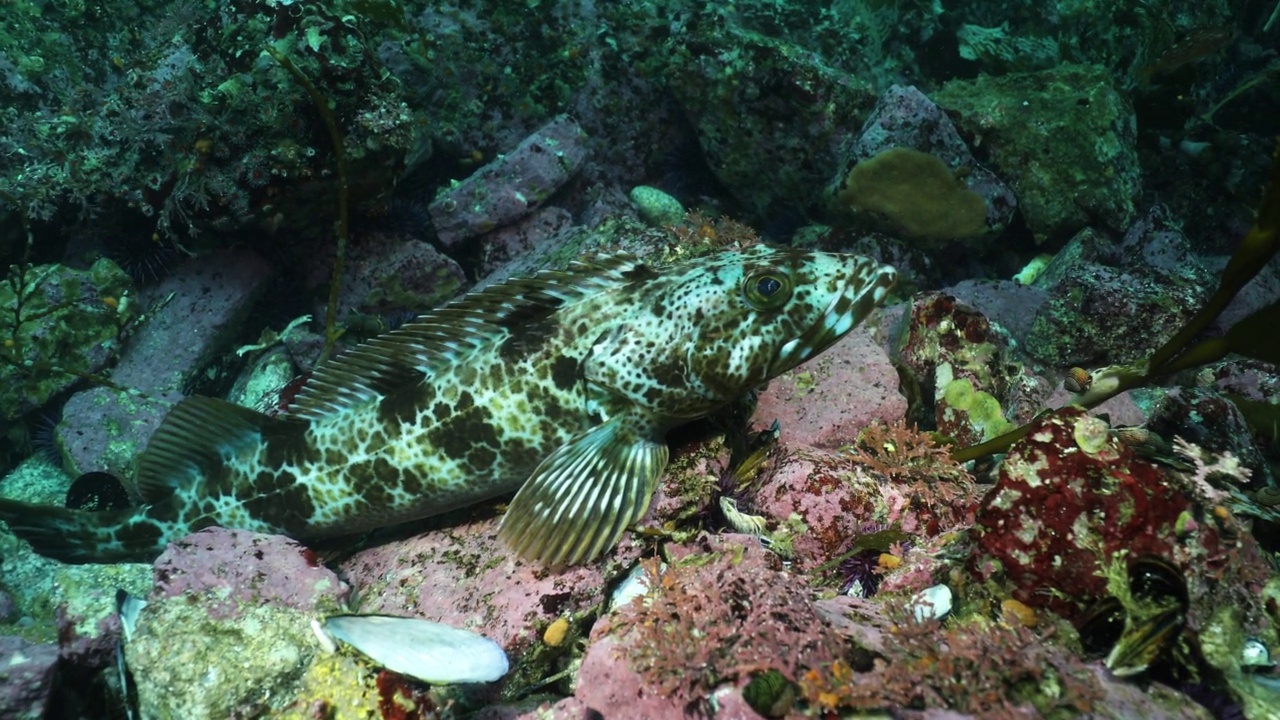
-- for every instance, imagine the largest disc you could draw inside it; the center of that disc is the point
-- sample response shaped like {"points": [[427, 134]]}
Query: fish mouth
{"points": [[864, 289]]}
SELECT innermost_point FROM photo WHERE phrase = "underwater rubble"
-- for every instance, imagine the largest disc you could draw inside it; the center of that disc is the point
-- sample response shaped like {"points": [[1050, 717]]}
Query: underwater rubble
{"points": [[1039, 482]]}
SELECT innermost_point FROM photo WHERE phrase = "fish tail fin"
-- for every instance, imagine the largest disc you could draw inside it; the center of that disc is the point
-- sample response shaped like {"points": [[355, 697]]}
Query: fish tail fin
{"points": [[82, 536]]}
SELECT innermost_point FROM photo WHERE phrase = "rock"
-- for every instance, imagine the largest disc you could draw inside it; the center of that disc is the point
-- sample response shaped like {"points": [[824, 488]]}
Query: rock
{"points": [[207, 299], [387, 273], [28, 678], [1113, 303], [226, 630], [530, 233], [954, 357], [731, 86], [190, 665], [512, 186], [721, 610], [1103, 316], [75, 603], [1012, 305], [823, 501], [229, 571], [656, 207], [264, 381], [1210, 420], [464, 577], [9, 611], [1073, 509], [826, 401], [1089, 172]]}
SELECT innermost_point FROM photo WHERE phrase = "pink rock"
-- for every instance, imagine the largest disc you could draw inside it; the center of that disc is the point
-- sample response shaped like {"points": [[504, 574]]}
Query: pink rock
{"points": [[27, 680], [607, 683], [823, 489], [722, 611], [9, 611], [463, 576], [231, 569], [947, 342], [826, 401], [570, 708], [837, 500], [511, 186], [95, 649]]}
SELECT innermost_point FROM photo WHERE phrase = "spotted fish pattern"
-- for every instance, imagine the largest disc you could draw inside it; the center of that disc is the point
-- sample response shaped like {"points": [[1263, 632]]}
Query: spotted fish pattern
{"points": [[560, 388]]}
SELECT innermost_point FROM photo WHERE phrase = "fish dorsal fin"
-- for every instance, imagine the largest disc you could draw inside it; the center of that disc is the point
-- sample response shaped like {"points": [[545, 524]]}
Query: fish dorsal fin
{"points": [[195, 439], [416, 350], [581, 497]]}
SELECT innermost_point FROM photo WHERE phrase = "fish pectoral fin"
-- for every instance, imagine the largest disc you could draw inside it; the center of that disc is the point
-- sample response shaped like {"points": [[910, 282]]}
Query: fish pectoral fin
{"points": [[581, 497]]}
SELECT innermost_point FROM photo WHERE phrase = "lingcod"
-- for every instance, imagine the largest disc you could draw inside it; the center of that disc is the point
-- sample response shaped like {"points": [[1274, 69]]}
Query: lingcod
{"points": [[560, 387]]}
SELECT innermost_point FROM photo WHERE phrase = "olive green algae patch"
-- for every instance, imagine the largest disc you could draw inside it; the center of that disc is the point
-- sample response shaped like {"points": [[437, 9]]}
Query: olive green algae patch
{"points": [[916, 195], [54, 322]]}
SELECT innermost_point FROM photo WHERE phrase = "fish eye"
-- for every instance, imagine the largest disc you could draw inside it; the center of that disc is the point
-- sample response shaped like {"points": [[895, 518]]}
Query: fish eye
{"points": [[767, 290]]}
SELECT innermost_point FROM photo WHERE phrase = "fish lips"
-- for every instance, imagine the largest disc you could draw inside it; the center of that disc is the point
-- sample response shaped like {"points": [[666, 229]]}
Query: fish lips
{"points": [[865, 289]]}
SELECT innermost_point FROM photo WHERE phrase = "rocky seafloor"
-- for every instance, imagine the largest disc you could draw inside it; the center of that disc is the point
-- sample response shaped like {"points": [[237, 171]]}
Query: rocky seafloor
{"points": [[1060, 188]]}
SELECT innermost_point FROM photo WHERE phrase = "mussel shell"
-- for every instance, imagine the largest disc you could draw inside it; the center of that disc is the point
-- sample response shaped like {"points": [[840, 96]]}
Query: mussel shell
{"points": [[770, 693], [1268, 496], [1144, 642], [1154, 578], [97, 491], [1101, 626]]}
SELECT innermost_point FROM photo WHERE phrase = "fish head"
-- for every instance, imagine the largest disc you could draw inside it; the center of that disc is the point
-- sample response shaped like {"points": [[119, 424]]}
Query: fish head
{"points": [[714, 328], [800, 303]]}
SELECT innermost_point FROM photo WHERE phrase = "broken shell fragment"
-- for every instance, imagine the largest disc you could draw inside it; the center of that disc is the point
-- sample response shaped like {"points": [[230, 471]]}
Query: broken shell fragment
{"points": [[770, 693], [634, 585], [429, 651]]}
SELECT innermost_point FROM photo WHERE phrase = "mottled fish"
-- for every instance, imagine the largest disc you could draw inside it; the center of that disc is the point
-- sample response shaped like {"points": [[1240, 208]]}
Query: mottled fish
{"points": [[560, 387]]}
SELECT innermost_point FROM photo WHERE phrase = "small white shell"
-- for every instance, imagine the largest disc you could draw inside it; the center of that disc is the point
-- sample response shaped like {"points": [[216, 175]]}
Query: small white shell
{"points": [[429, 651], [931, 603], [635, 584], [1254, 654]]}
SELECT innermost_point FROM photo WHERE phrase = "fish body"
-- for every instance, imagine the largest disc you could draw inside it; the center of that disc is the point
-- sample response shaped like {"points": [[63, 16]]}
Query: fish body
{"points": [[560, 387]]}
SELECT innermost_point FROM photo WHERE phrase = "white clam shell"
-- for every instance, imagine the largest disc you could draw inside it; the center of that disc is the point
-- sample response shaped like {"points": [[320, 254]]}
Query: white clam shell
{"points": [[635, 584], [1254, 654], [429, 651], [931, 603]]}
